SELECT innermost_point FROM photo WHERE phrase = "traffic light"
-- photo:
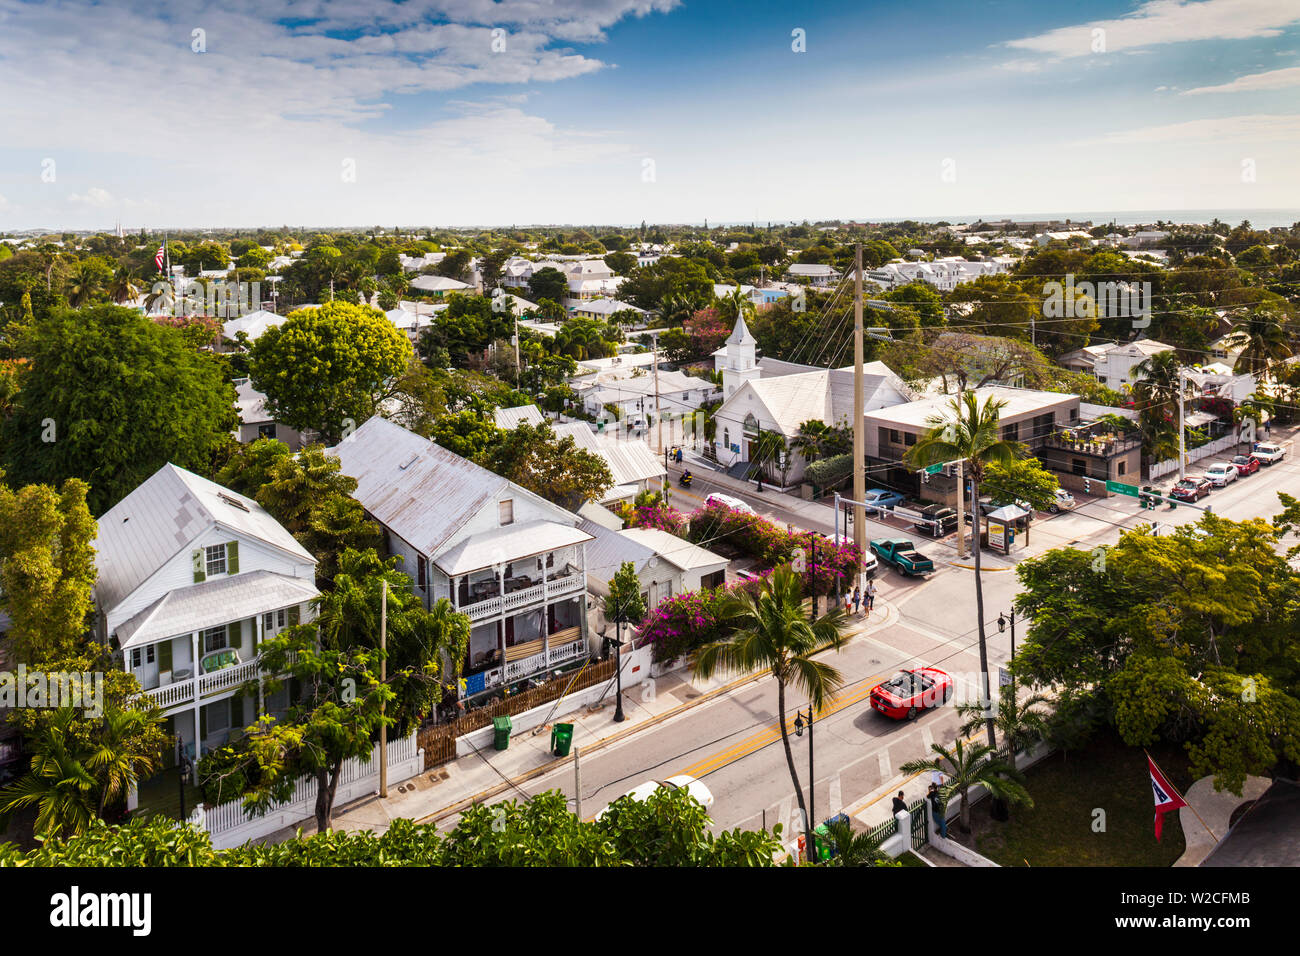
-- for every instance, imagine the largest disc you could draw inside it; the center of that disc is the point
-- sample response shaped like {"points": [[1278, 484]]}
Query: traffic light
{"points": [[1087, 485]]}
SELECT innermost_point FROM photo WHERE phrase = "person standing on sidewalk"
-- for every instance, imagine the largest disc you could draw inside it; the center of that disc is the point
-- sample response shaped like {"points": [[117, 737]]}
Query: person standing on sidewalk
{"points": [[937, 810], [857, 599], [899, 803], [870, 595]]}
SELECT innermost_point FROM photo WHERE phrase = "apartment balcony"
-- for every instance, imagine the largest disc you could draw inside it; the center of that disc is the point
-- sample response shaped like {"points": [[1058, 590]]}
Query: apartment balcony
{"points": [[519, 594], [525, 659], [1099, 446], [188, 689]]}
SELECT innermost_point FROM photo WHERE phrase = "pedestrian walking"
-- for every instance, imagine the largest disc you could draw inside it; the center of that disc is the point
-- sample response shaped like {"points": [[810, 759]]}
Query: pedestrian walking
{"points": [[900, 803], [857, 599], [937, 810], [679, 455], [871, 595]]}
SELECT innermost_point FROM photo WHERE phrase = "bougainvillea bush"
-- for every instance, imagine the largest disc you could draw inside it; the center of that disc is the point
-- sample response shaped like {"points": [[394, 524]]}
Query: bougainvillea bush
{"points": [[686, 621], [655, 514]]}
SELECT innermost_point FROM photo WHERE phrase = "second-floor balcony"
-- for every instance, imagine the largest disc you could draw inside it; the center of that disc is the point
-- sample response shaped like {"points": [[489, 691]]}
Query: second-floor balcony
{"points": [[1083, 441], [184, 687], [515, 567]]}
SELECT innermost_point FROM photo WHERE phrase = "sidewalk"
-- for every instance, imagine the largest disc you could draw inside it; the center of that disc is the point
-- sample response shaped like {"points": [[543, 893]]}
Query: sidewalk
{"points": [[433, 795]]}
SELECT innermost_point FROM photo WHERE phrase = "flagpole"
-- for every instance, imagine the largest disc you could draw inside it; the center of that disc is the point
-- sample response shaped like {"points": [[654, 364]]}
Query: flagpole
{"points": [[1180, 796]]}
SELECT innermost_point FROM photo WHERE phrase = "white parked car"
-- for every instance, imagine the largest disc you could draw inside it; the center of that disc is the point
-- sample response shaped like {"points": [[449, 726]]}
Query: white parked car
{"points": [[1064, 501], [733, 503], [1221, 473], [1268, 453], [680, 782]]}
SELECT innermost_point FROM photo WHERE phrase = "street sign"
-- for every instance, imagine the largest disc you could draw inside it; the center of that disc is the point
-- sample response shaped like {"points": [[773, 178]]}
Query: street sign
{"points": [[1121, 488], [933, 469], [1004, 677]]}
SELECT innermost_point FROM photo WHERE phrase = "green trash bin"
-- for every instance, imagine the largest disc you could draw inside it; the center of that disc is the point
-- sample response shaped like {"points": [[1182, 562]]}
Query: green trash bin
{"points": [[561, 739], [501, 732]]}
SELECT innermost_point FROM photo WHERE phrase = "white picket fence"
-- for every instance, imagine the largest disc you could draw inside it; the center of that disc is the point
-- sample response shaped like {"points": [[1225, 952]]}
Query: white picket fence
{"points": [[1194, 454], [230, 825]]}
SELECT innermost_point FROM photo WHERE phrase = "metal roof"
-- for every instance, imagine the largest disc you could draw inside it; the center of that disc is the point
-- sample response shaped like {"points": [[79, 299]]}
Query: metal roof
{"points": [[213, 603], [162, 517], [511, 418], [510, 543], [629, 461], [673, 549], [608, 549], [417, 489]]}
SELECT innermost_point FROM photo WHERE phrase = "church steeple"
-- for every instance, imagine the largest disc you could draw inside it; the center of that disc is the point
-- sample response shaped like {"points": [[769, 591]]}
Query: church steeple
{"points": [[742, 357]]}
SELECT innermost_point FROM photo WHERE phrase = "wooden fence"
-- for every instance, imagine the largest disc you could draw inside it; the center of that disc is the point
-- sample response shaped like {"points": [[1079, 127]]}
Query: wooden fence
{"points": [[439, 740]]}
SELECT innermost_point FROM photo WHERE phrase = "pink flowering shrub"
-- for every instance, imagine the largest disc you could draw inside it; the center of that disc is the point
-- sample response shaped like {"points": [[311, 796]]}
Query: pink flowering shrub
{"points": [[686, 621]]}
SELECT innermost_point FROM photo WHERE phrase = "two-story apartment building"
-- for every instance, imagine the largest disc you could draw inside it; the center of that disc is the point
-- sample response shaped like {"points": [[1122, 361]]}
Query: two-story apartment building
{"points": [[509, 559], [192, 578]]}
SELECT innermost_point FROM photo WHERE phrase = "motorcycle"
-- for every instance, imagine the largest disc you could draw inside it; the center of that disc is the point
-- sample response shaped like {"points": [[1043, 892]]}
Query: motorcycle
{"points": [[684, 481]]}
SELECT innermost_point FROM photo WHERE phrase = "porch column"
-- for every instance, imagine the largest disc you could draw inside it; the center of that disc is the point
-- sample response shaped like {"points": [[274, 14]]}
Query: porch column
{"points": [[259, 635], [195, 647], [546, 617]]}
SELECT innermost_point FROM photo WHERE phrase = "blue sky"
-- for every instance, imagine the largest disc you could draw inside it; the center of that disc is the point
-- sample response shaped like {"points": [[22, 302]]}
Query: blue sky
{"points": [[327, 112]]}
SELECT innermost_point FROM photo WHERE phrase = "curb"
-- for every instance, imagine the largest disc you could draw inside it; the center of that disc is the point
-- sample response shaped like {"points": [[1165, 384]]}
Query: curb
{"points": [[467, 802]]}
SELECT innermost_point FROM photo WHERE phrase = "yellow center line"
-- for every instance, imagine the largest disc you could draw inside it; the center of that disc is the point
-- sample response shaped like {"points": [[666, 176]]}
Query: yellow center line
{"points": [[769, 735]]}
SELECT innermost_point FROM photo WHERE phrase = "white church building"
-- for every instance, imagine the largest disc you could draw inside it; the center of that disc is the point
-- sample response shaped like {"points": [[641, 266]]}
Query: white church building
{"points": [[775, 396]]}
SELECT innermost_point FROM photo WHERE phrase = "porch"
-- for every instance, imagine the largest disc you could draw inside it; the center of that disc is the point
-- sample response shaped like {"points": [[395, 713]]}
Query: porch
{"points": [[508, 650]]}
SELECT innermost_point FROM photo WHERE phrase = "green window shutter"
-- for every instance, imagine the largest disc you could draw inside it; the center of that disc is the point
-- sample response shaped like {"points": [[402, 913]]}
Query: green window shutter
{"points": [[199, 566], [233, 636], [232, 557], [165, 656], [294, 616]]}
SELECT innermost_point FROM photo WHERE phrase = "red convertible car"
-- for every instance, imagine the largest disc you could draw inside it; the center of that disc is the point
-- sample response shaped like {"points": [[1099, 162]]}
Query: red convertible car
{"points": [[908, 693]]}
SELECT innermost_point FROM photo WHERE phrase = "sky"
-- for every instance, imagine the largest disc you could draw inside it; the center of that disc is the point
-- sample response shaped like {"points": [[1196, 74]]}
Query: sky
{"points": [[474, 112]]}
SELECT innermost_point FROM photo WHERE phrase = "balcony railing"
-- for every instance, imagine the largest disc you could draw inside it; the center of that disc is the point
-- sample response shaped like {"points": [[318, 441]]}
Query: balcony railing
{"points": [[1085, 445], [188, 690], [523, 598]]}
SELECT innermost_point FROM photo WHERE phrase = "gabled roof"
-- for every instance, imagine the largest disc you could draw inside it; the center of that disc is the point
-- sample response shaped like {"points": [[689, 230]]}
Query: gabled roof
{"points": [[438, 284], [510, 543], [510, 418], [673, 549], [421, 491], [629, 461], [161, 518], [253, 324]]}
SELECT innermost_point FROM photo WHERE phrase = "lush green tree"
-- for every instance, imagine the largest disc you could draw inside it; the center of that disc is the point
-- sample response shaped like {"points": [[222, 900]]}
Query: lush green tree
{"points": [[1021, 479], [48, 568], [335, 662], [555, 468], [1263, 341], [548, 283], [110, 397], [769, 630], [624, 604], [969, 432], [466, 433], [329, 367]]}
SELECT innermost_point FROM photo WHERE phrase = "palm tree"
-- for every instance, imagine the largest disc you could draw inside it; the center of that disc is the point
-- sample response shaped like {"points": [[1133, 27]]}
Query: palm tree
{"points": [[970, 766], [769, 630], [811, 440], [1020, 725], [123, 285], [1263, 342], [1256, 408], [117, 760], [1158, 383], [675, 309], [851, 849], [58, 785], [970, 434], [83, 286]]}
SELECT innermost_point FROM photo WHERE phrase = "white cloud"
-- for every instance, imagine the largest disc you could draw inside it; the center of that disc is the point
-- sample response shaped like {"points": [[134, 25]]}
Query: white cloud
{"points": [[1271, 80], [1159, 22], [1257, 128], [94, 196]]}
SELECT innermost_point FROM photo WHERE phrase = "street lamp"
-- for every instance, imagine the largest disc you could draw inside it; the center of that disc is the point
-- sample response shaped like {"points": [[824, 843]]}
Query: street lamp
{"points": [[1002, 626], [812, 781]]}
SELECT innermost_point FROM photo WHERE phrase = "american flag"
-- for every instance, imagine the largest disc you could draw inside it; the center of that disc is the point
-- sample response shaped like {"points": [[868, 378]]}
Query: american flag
{"points": [[158, 258]]}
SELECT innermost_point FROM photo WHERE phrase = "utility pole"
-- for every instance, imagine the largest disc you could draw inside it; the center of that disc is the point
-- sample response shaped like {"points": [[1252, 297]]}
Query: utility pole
{"points": [[516, 346], [383, 679], [1182, 429], [812, 572], [859, 440], [659, 418], [577, 783], [961, 511]]}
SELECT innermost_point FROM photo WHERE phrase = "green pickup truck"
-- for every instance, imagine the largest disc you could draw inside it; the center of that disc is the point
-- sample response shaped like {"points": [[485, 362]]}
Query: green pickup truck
{"points": [[902, 555]]}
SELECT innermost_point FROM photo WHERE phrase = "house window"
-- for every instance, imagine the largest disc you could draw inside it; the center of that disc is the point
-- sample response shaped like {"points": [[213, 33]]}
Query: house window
{"points": [[280, 619], [141, 655], [214, 639], [505, 512], [1078, 466], [1011, 431], [895, 436], [266, 431], [215, 555], [1122, 469], [909, 439], [421, 571]]}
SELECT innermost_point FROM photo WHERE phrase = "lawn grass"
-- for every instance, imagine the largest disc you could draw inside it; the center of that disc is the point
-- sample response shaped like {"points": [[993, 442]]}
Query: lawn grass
{"points": [[1068, 789]]}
